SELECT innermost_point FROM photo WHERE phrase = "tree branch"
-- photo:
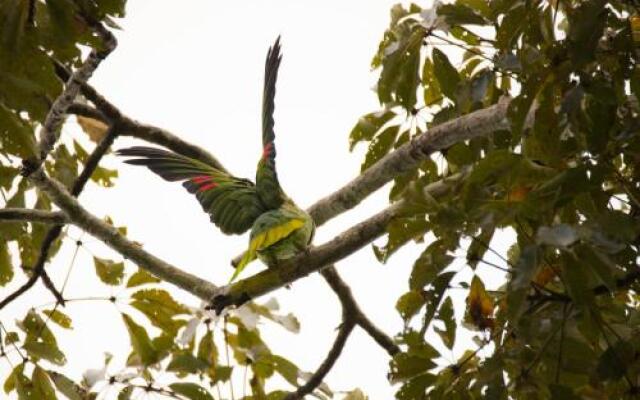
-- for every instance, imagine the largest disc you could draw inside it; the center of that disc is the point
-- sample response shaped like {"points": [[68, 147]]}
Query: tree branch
{"points": [[476, 124], [316, 379], [108, 113], [351, 307], [31, 215], [56, 115], [80, 217]]}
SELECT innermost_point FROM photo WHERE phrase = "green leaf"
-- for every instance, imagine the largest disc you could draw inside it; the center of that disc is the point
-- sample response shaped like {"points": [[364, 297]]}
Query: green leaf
{"points": [[36, 329], [221, 374], [445, 73], [479, 246], [288, 370], [416, 387], [525, 269], [59, 318], [10, 381], [45, 351], [459, 14], [7, 176], [6, 269], [126, 393], [141, 277], [434, 295], [368, 125], [380, 146], [399, 78], [511, 26], [401, 230], [445, 314], [16, 136], [192, 391], [409, 304], [431, 262], [66, 386], [207, 350], [602, 266], [140, 341], [43, 389], [405, 366], [186, 363], [432, 94], [615, 360], [160, 308], [10, 338], [109, 272]]}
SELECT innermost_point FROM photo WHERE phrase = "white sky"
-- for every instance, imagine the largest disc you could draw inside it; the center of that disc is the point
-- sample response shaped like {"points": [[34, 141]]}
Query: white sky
{"points": [[195, 68]]}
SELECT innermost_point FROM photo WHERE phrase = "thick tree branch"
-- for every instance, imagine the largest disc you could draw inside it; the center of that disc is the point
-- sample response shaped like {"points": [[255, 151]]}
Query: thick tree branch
{"points": [[110, 236], [408, 156], [316, 379], [321, 256], [108, 113], [31, 215]]}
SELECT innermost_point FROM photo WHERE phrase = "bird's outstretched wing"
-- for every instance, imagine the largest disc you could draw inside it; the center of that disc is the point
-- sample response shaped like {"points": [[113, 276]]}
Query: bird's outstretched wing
{"points": [[232, 203], [266, 176]]}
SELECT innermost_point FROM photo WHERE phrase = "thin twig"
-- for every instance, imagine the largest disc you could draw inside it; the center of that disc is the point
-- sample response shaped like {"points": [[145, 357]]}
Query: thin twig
{"points": [[316, 379], [351, 307]]}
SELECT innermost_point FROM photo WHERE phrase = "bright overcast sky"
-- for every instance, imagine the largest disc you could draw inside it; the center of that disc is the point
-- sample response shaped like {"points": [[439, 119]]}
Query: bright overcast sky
{"points": [[196, 68]]}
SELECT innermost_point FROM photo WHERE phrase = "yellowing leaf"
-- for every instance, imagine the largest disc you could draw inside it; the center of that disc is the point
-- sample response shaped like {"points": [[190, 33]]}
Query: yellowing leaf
{"points": [[59, 318], [544, 276], [96, 130], [518, 193], [635, 28], [479, 305]]}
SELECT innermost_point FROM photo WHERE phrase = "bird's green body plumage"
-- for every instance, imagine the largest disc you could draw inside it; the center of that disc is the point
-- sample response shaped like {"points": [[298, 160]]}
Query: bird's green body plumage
{"points": [[279, 228]]}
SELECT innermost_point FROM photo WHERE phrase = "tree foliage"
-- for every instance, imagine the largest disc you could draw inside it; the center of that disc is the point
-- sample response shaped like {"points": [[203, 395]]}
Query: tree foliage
{"points": [[562, 183]]}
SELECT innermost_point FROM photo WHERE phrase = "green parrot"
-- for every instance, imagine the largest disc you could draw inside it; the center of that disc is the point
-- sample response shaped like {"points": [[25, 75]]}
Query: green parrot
{"points": [[279, 228]]}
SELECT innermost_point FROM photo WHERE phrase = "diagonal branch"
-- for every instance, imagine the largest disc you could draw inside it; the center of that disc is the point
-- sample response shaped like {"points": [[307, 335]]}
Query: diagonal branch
{"points": [[32, 215], [108, 113], [408, 156], [80, 217], [316, 379], [351, 307], [318, 258]]}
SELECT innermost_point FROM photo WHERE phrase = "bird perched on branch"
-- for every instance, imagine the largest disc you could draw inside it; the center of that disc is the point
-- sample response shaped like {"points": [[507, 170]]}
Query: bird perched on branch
{"points": [[279, 228]]}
